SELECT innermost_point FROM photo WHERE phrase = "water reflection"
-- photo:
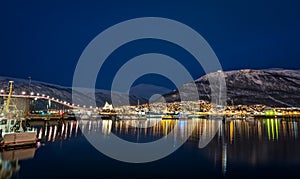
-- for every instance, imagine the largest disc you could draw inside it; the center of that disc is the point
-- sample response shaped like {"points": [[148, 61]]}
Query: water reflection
{"points": [[232, 130], [248, 141], [51, 131], [9, 160], [228, 143], [48, 131]]}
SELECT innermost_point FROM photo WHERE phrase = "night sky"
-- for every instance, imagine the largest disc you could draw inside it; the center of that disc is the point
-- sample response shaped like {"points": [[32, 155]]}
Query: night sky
{"points": [[44, 39]]}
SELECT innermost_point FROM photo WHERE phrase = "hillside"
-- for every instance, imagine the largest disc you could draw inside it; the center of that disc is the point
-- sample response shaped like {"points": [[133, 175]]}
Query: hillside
{"points": [[273, 87]]}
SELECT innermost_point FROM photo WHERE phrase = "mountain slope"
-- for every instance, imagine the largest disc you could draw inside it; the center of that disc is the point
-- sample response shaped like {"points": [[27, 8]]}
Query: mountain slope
{"points": [[274, 87], [65, 93]]}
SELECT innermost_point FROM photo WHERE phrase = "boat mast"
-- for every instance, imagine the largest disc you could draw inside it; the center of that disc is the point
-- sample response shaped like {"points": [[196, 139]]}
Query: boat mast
{"points": [[9, 96]]}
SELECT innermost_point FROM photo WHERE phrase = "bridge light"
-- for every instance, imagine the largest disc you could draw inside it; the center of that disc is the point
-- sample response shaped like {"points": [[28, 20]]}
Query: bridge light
{"points": [[37, 94], [84, 106], [23, 93], [78, 105], [2, 91], [91, 107], [32, 93], [65, 102], [73, 104], [48, 96], [43, 95]]}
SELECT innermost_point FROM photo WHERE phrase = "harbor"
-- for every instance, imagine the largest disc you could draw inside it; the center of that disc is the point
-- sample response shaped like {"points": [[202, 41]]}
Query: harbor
{"points": [[40, 106], [35, 122]]}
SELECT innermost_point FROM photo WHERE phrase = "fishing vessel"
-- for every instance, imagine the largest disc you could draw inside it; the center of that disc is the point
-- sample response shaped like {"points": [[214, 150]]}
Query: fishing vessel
{"points": [[14, 132], [13, 128]]}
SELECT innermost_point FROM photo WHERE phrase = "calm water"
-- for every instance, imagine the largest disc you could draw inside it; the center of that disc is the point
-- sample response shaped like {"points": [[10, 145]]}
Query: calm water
{"points": [[264, 147]]}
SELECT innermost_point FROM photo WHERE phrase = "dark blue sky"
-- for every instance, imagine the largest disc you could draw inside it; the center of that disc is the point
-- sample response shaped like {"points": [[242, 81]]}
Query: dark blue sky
{"points": [[44, 39]]}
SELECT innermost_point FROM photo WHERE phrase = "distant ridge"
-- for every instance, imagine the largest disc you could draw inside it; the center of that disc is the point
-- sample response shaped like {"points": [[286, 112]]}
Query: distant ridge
{"points": [[65, 93], [272, 87]]}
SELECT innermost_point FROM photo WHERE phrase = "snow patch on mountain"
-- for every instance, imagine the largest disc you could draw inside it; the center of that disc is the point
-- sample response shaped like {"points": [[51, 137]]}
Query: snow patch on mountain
{"points": [[272, 87]]}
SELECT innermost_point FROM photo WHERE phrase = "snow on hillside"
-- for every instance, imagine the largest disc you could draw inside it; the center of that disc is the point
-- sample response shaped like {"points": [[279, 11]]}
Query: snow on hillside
{"points": [[65, 93], [273, 87]]}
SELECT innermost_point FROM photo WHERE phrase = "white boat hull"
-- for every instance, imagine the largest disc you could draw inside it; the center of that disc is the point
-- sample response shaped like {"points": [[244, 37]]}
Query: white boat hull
{"points": [[20, 138]]}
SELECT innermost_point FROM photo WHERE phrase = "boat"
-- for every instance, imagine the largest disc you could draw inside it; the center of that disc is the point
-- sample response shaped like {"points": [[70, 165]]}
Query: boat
{"points": [[13, 129], [131, 117], [155, 115], [108, 116], [14, 132], [170, 117]]}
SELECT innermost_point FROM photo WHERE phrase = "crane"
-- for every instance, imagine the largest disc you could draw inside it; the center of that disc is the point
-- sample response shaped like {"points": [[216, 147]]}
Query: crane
{"points": [[9, 96]]}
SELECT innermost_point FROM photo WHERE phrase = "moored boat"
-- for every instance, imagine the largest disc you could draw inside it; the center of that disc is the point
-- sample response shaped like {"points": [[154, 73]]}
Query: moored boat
{"points": [[170, 116], [14, 132]]}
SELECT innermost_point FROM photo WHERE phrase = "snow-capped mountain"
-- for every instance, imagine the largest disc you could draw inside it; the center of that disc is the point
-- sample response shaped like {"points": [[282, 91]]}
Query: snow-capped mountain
{"points": [[273, 87], [65, 93]]}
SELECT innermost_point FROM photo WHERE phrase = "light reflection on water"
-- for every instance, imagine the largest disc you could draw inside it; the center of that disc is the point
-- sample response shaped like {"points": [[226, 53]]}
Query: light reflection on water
{"points": [[253, 142]]}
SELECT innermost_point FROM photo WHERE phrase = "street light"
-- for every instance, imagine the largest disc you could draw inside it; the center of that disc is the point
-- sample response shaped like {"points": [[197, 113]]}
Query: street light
{"points": [[29, 82]]}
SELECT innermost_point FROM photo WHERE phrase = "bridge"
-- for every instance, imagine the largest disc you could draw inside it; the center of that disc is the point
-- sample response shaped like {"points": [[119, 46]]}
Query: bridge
{"points": [[23, 102]]}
